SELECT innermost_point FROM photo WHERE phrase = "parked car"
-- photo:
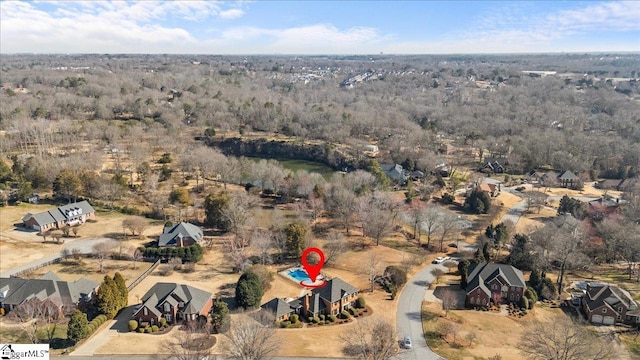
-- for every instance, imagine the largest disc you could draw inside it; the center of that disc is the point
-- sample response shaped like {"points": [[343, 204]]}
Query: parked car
{"points": [[406, 343], [439, 260], [453, 245]]}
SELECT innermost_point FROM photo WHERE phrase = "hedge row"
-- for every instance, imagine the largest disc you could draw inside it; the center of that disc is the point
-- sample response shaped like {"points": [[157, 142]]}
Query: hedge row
{"points": [[95, 324], [192, 253]]}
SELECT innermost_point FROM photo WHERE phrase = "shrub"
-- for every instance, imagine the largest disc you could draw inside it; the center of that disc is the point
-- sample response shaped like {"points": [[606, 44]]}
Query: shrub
{"points": [[524, 303], [133, 325], [1, 312], [154, 328], [140, 330], [321, 317], [360, 303], [344, 314], [91, 328], [332, 318], [294, 318], [316, 320], [147, 330], [352, 311], [163, 322], [448, 198], [285, 324]]}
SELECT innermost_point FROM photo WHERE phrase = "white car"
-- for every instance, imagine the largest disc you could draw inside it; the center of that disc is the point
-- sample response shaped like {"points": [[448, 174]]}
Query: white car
{"points": [[406, 343], [439, 260]]}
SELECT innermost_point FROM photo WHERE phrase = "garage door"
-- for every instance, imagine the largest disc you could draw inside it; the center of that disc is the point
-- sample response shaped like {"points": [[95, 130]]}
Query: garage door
{"points": [[596, 319], [608, 320]]}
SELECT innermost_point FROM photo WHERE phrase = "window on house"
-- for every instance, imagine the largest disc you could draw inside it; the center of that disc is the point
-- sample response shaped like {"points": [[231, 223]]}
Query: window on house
{"points": [[167, 307], [619, 308], [604, 310], [145, 311], [618, 317]]}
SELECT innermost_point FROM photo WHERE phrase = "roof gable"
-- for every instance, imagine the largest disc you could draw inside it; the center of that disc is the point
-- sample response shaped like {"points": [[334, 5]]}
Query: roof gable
{"points": [[486, 272], [183, 229], [335, 289]]}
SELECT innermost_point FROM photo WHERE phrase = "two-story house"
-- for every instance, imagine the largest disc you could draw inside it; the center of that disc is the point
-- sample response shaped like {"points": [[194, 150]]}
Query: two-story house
{"points": [[336, 296], [174, 302], [608, 305], [494, 283]]}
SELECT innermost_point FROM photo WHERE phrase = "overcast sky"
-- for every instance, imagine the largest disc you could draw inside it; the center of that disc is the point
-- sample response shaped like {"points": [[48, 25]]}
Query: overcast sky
{"points": [[318, 27]]}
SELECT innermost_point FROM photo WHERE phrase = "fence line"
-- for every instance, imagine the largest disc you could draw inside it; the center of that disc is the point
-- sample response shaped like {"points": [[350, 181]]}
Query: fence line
{"points": [[38, 266], [143, 275]]}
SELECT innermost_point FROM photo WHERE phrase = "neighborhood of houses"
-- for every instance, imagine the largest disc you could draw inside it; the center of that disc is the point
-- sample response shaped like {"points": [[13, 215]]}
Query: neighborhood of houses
{"points": [[487, 284]]}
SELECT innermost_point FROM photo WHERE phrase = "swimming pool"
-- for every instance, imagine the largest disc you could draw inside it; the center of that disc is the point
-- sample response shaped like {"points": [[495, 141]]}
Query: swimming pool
{"points": [[300, 275]]}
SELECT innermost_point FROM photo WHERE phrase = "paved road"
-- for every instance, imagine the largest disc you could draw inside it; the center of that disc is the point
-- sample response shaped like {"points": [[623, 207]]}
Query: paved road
{"points": [[84, 245], [162, 356]]}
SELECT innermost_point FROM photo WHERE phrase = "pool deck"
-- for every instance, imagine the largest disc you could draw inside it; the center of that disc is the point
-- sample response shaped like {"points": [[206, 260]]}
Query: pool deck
{"points": [[286, 272]]}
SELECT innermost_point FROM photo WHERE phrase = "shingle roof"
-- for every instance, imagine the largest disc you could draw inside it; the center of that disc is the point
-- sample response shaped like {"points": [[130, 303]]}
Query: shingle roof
{"points": [[568, 175], [60, 213], [335, 289], [481, 273], [194, 298], [613, 296], [184, 229], [277, 306], [49, 287]]}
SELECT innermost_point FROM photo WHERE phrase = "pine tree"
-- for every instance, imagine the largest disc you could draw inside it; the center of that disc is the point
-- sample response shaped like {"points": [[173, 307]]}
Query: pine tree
{"points": [[123, 293], [249, 290], [77, 327], [220, 319], [107, 298]]}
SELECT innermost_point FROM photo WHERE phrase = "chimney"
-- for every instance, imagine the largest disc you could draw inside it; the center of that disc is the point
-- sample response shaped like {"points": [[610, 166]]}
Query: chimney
{"points": [[305, 305]]}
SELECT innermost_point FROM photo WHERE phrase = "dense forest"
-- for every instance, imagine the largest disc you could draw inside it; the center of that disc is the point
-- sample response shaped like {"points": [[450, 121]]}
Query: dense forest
{"points": [[563, 111]]}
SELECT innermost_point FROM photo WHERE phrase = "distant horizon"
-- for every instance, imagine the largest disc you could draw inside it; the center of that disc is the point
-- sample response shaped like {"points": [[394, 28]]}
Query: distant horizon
{"points": [[599, 52], [300, 28]]}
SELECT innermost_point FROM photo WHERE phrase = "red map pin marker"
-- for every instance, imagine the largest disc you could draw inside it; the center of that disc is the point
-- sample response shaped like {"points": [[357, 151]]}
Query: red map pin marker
{"points": [[312, 270]]}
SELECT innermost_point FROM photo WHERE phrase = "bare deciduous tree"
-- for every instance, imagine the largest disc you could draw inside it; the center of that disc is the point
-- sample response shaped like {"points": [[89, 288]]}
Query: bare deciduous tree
{"points": [[135, 224], [237, 212], [449, 301], [102, 251], [377, 214], [191, 343], [437, 273], [35, 314], [448, 222], [371, 340], [252, 340], [373, 268], [336, 245], [262, 241], [563, 339]]}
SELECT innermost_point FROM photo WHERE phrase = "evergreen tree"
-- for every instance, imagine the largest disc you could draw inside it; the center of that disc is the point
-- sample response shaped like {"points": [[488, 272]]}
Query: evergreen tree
{"points": [[382, 178], [463, 269], [77, 327], [249, 290], [108, 300], [478, 202], [214, 204], [296, 238], [485, 252], [123, 293], [220, 319]]}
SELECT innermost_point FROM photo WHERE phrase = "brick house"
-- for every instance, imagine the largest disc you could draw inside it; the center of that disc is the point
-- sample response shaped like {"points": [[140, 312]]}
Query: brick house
{"points": [[493, 283], [66, 215], [65, 295], [174, 302], [336, 296], [608, 305], [180, 235]]}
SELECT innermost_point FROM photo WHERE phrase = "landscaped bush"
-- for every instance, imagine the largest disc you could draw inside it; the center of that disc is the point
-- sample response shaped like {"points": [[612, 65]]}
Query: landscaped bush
{"points": [[154, 328], [352, 311], [360, 303], [90, 329], [147, 330], [316, 320], [1, 312], [344, 314], [321, 317], [133, 325], [294, 318], [285, 324], [332, 318], [163, 322], [141, 330]]}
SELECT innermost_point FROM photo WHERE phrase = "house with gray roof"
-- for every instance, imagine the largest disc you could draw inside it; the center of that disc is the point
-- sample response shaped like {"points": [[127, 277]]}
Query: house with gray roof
{"points": [[493, 283], [570, 180], [66, 215], [66, 295], [180, 235], [608, 304], [395, 172], [173, 302], [331, 299]]}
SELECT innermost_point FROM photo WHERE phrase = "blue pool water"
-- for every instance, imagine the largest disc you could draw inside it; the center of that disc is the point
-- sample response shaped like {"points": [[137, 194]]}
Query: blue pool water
{"points": [[299, 275]]}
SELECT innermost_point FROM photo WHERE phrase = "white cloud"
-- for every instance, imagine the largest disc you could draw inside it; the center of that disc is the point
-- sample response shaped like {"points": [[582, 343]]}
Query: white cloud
{"points": [[231, 14]]}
